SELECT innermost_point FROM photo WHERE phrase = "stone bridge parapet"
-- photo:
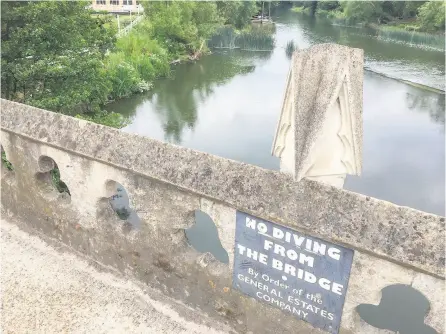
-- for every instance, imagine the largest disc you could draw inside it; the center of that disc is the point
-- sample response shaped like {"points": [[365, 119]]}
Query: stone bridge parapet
{"points": [[167, 184]]}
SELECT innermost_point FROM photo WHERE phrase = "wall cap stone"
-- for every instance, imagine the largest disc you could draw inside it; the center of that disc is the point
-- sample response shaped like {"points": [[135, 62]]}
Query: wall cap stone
{"points": [[399, 234]]}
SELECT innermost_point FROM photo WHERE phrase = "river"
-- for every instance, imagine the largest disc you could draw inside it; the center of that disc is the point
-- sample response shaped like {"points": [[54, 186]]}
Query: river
{"points": [[228, 104]]}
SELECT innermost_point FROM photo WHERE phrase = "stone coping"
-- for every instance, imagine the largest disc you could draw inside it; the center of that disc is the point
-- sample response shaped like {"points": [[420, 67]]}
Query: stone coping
{"points": [[403, 235]]}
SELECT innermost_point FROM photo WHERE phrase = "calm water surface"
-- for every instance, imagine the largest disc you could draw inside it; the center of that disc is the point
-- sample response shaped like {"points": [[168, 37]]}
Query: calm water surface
{"points": [[228, 104]]}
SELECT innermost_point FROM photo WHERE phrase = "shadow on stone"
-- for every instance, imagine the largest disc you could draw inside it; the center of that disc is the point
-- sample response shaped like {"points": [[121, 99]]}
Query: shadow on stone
{"points": [[120, 203], [50, 175], [402, 309], [203, 237]]}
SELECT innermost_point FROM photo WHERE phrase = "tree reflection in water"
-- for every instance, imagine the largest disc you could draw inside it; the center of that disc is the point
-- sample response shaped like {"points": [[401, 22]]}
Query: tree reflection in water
{"points": [[176, 99], [430, 102]]}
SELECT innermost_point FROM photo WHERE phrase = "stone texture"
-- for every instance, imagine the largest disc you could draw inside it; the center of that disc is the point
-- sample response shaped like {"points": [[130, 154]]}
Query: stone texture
{"points": [[434, 290], [156, 253], [320, 73], [319, 135], [369, 275], [48, 291], [397, 233], [224, 218], [166, 184]]}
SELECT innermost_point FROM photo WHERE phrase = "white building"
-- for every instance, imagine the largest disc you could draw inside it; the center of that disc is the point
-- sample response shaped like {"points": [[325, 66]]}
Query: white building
{"points": [[117, 6]]}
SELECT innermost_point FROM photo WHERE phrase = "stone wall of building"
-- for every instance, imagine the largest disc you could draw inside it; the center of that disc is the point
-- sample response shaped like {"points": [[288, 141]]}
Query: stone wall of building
{"points": [[167, 184]]}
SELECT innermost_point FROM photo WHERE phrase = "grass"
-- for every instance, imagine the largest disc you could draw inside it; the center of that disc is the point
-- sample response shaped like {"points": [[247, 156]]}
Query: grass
{"points": [[6, 162], [414, 38], [225, 37], [255, 38]]}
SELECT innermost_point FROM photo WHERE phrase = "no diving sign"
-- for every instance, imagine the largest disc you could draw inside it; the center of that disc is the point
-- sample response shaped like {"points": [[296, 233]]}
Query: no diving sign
{"points": [[304, 276]]}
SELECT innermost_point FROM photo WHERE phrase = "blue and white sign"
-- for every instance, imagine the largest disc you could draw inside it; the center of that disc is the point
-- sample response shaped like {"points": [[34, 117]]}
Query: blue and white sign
{"points": [[304, 276]]}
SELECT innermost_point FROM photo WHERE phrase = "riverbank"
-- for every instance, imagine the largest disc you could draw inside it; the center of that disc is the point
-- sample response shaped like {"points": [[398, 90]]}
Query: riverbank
{"points": [[397, 34], [142, 59], [227, 37], [86, 64], [227, 104], [157, 43], [409, 31], [139, 59]]}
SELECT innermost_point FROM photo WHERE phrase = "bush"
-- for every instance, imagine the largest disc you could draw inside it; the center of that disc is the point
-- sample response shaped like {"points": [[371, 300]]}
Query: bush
{"points": [[183, 26], [139, 41], [432, 16], [145, 55], [160, 64], [143, 66], [122, 75], [362, 11]]}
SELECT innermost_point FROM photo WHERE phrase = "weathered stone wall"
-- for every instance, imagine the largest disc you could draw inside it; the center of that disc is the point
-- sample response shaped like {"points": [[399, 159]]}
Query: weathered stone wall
{"points": [[319, 133], [167, 183]]}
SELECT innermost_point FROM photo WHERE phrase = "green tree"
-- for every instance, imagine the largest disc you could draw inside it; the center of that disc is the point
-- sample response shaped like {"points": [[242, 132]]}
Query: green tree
{"points": [[52, 55], [182, 26], [363, 11], [328, 5], [411, 8], [432, 16], [237, 13], [401, 9]]}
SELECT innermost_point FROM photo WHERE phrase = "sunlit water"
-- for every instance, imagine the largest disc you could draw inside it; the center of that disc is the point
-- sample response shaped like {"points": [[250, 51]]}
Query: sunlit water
{"points": [[228, 104]]}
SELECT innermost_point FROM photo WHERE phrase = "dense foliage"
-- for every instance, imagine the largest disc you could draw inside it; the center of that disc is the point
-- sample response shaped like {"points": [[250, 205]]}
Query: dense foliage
{"points": [[428, 16], [59, 56], [52, 55], [432, 15], [182, 26], [237, 13]]}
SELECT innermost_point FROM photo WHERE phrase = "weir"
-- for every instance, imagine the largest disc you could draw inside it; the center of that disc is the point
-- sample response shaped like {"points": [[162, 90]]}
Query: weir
{"points": [[381, 245]]}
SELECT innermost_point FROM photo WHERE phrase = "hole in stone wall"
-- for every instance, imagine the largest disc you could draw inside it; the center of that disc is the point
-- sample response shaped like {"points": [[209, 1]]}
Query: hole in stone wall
{"points": [[120, 203], [57, 182], [203, 237], [402, 309], [51, 175], [5, 162]]}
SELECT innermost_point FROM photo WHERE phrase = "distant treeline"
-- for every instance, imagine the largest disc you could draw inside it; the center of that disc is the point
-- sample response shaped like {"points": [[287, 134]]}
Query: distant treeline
{"points": [[425, 16]]}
